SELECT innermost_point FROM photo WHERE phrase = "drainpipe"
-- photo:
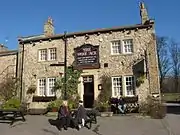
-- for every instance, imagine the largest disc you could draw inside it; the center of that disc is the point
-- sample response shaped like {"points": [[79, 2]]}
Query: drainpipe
{"points": [[21, 90], [65, 66]]}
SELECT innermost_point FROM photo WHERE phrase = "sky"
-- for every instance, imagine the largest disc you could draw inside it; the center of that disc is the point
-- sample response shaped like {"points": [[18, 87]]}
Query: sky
{"points": [[27, 17]]}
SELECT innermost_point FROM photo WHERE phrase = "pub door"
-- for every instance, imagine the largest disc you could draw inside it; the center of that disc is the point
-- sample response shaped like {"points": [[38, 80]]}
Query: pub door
{"points": [[88, 96]]}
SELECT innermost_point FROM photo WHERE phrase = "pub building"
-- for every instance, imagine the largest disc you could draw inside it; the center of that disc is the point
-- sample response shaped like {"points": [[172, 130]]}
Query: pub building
{"points": [[123, 53]]}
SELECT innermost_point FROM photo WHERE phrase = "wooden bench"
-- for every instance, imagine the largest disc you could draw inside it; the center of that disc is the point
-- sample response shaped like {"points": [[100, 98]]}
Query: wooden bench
{"points": [[11, 114], [131, 104], [92, 117]]}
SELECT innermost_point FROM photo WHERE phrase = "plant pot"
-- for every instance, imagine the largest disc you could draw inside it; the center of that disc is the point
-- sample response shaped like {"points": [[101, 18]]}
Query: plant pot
{"points": [[54, 109], [106, 114]]}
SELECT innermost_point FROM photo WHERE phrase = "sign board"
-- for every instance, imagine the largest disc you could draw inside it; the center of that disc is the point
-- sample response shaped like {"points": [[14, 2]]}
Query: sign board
{"points": [[87, 57]]}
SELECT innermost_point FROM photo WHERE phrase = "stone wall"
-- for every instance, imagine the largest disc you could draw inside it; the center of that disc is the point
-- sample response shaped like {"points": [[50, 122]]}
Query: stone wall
{"points": [[118, 65], [8, 66]]}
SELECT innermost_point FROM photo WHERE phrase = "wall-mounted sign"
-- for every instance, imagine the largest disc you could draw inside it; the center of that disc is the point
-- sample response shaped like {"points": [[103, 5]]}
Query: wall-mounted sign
{"points": [[87, 56]]}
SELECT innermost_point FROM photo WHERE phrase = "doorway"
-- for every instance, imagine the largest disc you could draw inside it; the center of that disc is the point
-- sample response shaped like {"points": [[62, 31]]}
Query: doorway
{"points": [[88, 96]]}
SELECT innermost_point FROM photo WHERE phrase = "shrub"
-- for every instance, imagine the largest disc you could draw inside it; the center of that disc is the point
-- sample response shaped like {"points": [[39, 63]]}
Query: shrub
{"points": [[102, 103], [55, 104], [8, 88], [153, 108], [73, 102], [12, 104]]}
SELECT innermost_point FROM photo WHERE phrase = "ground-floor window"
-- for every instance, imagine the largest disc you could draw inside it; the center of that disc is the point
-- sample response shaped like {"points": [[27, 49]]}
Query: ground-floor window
{"points": [[123, 85], [46, 86]]}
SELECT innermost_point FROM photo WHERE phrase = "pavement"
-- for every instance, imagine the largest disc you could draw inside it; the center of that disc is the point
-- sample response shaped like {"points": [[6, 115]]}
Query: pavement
{"points": [[115, 125]]}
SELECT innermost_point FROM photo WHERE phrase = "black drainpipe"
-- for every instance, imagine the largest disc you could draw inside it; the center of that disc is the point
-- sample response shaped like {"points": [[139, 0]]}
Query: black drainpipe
{"points": [[22, 73]]}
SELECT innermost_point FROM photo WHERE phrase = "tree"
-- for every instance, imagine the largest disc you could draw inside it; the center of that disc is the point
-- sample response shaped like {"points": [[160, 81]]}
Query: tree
{"points": [[71, 83], [174, 50], [8, 88], [163, 58]]}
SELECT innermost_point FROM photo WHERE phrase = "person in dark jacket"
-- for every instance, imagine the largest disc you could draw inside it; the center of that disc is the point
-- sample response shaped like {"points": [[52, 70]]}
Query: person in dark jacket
{"points": [[64, 115], [81, 114], [121, 105]]}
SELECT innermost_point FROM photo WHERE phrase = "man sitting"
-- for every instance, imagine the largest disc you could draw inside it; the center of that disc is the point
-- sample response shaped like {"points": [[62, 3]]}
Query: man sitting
{"points": [[121, 105]]}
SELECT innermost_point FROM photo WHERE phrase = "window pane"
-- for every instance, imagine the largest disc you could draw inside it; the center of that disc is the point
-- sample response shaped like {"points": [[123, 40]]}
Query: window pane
{"points": [[52, 54], [51, 82], [42, 87], [128, 45], [117, 86], [130, 90], [116, 47], [43, 55]]}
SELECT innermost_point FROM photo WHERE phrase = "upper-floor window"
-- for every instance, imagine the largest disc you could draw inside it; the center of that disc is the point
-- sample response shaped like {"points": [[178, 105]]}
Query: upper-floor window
{"points": [[42, 54], [122, 46], [52, 54], [116, 47], [128, 46], [47, 54]]}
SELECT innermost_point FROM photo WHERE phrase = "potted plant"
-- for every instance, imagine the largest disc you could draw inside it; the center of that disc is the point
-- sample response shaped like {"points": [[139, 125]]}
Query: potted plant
{"points": [[53, 106]]}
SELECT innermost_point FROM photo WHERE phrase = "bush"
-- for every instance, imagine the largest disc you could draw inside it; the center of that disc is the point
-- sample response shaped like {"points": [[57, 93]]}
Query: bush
{"points": [[153, 108], [74, 101], [8, 88], [55, 104], [102, 103], [12, 104]]}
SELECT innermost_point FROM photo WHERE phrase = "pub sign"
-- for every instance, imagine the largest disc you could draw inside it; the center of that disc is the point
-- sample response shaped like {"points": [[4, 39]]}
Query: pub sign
{"points": [[87, 57]]}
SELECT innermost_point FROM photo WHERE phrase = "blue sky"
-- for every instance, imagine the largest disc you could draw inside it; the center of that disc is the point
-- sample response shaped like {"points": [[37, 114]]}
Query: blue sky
{"points": [[26, 17]]}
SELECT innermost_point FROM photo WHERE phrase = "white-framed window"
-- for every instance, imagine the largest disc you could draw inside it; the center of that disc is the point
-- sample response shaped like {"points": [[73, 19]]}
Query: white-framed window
{"points": [[52, 54], [46, 86], [51, 84], [127, 46], [42, 54], [41, 86], [123, 85], [116, 47], [129, 85], [116, 86]]}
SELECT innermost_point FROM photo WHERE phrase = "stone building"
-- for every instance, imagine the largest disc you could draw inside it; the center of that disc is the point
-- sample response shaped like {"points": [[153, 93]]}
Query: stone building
{"points": [[8, 60], [125, 53]]}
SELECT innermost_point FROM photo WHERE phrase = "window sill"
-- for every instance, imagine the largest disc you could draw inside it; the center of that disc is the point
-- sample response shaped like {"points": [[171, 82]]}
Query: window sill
{"points": [[43, 98], [122, 54]]}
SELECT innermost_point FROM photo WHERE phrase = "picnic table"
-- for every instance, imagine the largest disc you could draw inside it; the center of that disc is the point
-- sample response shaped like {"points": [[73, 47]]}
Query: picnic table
{"points": [[11, 114]]}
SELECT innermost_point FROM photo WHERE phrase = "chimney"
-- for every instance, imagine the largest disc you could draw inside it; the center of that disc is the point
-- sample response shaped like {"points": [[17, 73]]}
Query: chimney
{"points": [[49, 27], [143, 13]]}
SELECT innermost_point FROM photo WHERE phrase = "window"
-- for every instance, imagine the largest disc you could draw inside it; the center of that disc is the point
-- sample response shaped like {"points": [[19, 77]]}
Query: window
{"points": [[129, 83], [128, 46], [52, 54], [116, 86], [51, 83], [42, 54], [42, 86], [46, 86], [116, 47], [124, 85]]}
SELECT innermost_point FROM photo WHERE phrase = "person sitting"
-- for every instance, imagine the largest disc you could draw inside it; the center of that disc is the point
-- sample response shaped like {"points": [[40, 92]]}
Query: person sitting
{"points": [[81, 114], [64, 115], [121, 105]]}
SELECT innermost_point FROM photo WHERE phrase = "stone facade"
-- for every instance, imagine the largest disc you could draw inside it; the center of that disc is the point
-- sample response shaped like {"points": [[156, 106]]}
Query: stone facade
{"points": [[8, 60], [144, 49]]}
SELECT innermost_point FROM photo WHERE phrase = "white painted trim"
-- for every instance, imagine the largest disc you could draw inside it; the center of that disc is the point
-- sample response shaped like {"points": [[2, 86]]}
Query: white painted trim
{"points": [[124, 80]]}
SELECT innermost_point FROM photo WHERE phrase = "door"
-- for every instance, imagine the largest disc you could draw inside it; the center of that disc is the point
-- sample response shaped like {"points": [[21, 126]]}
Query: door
{"points": [[88, 82]]}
